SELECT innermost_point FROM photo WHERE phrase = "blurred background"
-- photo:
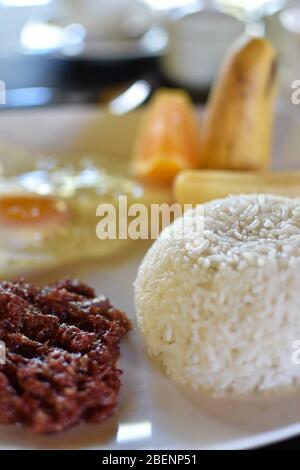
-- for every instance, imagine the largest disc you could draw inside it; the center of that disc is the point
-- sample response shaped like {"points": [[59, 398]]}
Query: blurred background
{"points": [[73, 51]]}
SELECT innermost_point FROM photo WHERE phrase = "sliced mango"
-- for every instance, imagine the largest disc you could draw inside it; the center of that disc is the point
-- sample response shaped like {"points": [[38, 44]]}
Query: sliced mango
{"points": [[168, 140], [199, 186]]}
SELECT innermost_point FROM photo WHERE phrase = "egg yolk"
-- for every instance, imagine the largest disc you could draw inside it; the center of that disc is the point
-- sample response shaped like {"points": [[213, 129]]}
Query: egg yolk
{"points": [[31, 210]]}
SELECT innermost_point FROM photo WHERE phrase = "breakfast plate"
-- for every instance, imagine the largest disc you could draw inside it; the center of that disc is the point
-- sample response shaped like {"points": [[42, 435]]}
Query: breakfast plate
{"points": [[154, 412]]}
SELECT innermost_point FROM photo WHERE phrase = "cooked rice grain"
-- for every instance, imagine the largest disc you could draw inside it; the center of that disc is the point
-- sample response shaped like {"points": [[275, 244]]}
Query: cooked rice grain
{"points": [[221, 308]]}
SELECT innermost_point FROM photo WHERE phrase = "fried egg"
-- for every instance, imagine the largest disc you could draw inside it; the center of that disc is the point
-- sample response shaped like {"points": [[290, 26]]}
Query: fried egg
{"points": [[48, 217]]}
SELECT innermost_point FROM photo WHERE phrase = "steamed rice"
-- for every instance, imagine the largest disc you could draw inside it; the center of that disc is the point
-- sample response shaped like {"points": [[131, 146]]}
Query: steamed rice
{"points": [[220, 307]]}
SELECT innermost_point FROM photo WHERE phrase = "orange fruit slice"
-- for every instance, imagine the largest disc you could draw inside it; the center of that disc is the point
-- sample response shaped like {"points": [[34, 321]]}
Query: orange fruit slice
{"points": [[168, 140]]}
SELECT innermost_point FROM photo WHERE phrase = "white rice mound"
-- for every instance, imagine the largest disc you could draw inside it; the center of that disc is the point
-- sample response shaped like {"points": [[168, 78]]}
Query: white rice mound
{"points": [[220, 307]]}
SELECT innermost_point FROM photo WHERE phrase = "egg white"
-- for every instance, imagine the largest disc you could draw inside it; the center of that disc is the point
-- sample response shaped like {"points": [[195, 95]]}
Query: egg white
{"points": [[39, 246]]}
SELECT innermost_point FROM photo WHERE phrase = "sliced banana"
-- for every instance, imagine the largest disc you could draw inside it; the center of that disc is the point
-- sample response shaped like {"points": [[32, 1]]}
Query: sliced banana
{"points": [[198, 186], [237, 127]]}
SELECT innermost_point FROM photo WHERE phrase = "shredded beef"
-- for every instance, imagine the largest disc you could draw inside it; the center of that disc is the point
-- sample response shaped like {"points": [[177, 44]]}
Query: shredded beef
{"points": [[62, 344]]}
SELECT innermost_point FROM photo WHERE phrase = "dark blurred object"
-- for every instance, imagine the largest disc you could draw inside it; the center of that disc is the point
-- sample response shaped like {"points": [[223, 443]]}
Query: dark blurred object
{"points": [[70, 81], [44, 80], [77, 51]]}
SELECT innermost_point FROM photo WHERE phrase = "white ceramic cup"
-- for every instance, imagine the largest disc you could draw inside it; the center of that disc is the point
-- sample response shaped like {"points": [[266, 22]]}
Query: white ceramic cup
{"points": [[197, 44]]}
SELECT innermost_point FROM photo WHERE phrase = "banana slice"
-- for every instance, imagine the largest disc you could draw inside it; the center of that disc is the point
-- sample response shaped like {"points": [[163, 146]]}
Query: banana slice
{"points": [[237, 127], [198, 186]]}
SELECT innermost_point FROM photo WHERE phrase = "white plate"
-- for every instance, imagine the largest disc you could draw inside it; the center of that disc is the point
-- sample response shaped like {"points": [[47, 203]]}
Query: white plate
{"points": [[154, 412]]}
